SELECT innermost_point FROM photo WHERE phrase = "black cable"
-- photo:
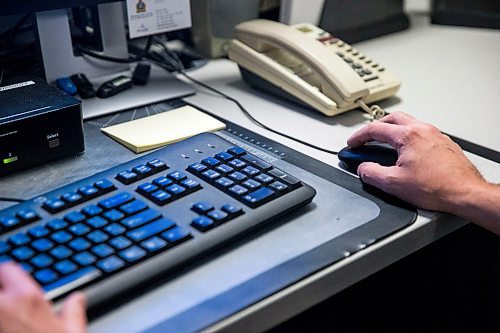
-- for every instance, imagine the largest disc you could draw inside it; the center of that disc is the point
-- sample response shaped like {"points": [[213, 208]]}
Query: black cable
{"points": [[172, 68], [252, 118], [11, 199], [137, 58]]}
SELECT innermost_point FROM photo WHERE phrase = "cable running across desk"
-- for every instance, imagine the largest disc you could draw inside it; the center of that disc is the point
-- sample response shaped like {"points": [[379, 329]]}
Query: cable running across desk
{"points": [[173, 65]]}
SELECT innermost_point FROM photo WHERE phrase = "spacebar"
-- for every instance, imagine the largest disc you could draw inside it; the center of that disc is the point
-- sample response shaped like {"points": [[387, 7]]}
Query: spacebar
{"points": [[71, 281]]}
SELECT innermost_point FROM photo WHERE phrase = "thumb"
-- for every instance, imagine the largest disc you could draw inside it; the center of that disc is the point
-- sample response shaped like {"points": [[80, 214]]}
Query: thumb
{"points": [[73, 314], [376, 175]]}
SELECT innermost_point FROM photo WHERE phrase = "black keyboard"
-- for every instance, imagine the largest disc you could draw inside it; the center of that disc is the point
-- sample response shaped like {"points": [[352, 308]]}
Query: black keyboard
{"points": [[113, 230]]}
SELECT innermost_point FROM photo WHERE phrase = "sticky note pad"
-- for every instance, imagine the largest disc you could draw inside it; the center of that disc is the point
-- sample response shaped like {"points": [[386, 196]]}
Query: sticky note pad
{"points": [[161, 129]]}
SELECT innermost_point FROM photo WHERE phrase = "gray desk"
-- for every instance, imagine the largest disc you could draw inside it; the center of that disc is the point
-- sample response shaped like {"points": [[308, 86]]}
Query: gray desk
{"points": [[450, 78]]}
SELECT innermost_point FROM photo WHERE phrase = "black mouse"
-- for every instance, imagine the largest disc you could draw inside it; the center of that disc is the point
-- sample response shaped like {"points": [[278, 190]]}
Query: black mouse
{"points": [[372, 152]]}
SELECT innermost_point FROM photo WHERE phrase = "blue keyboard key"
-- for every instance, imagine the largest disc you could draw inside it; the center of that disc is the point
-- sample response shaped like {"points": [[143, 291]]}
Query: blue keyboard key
{"points": [[54, 205], [147, 188], [79, 244], [238, 190], [236, 151], [23, 253], [102, 250], [196, 168], [4, 247], [202, 207], [279, 187], [127, 177], [154, 244], [232, 209], [157, 165], [27, 215], [203, 223], [177, 176], [38, 231], [5, 258], [83, 275], [258, 197], [97, 236], [115, 229], [27, 267], [223, 156], [133, 207], [79, 229], [250, 170], [104, 185], [97, 222], [264, 178], [9, 221], [162, 181], [91, 210], [150, 229], [210, 162], [210, 175], [141, 218], [116, 200], [88, 191], [57, 224], [176, 235], [161, 197], [61, 236], [251, 184], [42, 260], [110, 264], [65, 267], [84, 258], [45, 276], [19, 239], [132, 254], [175, 189], [61, 252], [142, 171], [191, 185], [113, 215], [238, 176], [224, 182], [42, 244], [224, 169], [120, 242], [218, 215], [74, 217], [72, 198], [237, 163]]}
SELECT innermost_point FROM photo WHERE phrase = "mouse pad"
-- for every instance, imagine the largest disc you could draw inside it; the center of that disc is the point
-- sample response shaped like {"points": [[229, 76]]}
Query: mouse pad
{"points": [[374, 216]]}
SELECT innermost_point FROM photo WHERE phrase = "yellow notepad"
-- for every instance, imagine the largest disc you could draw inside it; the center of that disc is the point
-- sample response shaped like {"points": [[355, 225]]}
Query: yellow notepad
{"points": [[161, 129]]}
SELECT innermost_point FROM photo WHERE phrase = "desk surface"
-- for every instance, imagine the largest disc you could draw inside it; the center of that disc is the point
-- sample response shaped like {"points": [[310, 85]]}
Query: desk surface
{"points": [[449, 79]]}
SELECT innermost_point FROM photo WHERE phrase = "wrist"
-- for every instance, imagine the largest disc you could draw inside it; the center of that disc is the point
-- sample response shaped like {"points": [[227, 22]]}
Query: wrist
{"points": [[478, 204]]}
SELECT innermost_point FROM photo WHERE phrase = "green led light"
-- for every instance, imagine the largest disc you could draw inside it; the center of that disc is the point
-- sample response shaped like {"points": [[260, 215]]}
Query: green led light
{"points": [[9, 160]]}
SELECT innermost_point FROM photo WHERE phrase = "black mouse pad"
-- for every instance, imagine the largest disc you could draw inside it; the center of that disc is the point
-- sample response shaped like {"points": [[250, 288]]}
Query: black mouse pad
{"points": [[394, 215]]}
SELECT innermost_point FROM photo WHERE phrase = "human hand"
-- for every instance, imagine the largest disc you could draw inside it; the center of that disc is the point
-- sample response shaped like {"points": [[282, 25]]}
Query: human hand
{"points": [[24, 309], [432, 171]]}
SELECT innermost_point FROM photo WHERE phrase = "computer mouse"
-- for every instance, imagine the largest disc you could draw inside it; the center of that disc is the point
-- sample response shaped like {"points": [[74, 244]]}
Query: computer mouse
{"points": [[382, 154]]}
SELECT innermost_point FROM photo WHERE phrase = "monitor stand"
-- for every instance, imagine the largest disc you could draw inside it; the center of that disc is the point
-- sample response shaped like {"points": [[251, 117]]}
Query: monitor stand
{"points": [[59, 61]]}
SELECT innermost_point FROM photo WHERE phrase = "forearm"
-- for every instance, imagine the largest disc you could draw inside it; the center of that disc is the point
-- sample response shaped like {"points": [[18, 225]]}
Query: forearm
{"points": [[480, 205]]}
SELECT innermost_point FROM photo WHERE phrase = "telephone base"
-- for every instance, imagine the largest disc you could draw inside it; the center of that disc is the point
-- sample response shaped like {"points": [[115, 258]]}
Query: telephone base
{"points": [[259, 83]]}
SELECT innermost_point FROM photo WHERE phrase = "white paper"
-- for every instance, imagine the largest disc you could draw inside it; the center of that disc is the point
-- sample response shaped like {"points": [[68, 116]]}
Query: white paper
{"points": [[148, 17]]}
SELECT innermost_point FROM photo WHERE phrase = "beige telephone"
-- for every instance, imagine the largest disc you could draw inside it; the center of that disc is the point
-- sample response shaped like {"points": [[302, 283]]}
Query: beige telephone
{"points": [[311, 65]]}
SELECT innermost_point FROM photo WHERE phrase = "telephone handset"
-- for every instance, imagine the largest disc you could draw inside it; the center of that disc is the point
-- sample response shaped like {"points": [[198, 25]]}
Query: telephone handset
{"points": [[309, 64]]}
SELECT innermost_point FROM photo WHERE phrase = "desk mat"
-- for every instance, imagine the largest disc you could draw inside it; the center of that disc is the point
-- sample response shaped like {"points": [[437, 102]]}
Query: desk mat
{"points": [[394, 215]]}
